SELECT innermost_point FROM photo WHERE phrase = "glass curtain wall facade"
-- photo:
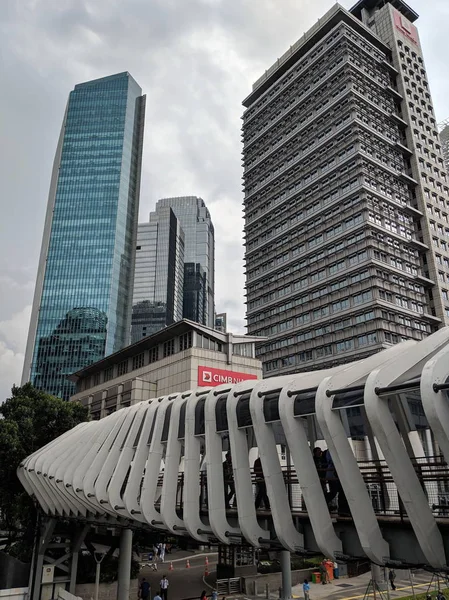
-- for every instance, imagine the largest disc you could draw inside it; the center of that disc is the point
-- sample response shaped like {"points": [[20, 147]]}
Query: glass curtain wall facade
{"points": [[159, 274], [82, 304], [195, 293], [346, 194], [199, 237]]}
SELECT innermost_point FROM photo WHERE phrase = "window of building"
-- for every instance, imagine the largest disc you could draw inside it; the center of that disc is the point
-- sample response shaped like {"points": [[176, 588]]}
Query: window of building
{"points": [[154, 354], [169, 348], [185, 341], [345, 345], [96, 379], [138, 361], [122, 368], [108, 374]]}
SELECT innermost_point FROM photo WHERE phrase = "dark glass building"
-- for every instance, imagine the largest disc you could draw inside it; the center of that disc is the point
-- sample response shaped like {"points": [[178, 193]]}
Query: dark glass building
{"points": [[175, 267], [82, 303], [195, 293], [199, 246], [159, 274]]}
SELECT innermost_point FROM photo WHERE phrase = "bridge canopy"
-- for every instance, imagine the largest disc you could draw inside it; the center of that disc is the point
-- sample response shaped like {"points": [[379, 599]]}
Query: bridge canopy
{"points": [[184, 464]]}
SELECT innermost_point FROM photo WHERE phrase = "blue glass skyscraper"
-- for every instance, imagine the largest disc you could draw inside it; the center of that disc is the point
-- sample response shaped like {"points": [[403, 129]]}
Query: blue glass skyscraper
{"points": [[83, 297]]}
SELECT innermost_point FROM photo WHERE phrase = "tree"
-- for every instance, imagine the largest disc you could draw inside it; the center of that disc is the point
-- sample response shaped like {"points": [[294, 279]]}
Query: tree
{"points": [[31, 419]]}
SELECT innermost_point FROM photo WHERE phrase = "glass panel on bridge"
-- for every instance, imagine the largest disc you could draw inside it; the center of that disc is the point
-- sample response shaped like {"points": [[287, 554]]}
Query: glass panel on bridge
{"points": [[139, 433], [166, 427], [221, 415], [182, 421], [348, 399], [243, 412], [304, 404], [271, 407], [150, 436], [199, 417]]}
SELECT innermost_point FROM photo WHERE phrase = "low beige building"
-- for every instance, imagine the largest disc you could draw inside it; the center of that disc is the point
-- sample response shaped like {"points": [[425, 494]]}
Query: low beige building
{"points": [[180, 357]]}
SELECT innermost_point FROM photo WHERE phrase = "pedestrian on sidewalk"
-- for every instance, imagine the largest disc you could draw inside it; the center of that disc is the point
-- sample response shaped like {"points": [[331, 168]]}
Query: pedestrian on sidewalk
{"points": [[157, 597], [323, 572], [392, 577], [306, 589], [164, 587], [144, 589], [162, 554]]}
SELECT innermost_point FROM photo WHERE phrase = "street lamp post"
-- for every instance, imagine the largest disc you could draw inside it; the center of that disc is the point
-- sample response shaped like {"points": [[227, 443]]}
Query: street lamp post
{"points": [[98, 556]]}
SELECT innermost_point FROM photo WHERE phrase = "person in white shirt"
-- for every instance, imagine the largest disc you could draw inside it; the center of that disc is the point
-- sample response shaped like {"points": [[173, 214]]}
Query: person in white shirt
{"points": [[164, 587], [157, 597], [162, 554]]}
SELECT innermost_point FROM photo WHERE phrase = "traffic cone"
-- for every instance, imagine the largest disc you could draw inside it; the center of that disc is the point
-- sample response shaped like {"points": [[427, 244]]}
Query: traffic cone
{"points": [[171, 568], [187, 564], [206, 571], [206, 562]]}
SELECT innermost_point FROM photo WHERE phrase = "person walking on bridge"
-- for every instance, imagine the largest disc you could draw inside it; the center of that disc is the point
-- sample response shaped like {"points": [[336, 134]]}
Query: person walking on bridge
{"points": [[228, 476], [261, 496]]}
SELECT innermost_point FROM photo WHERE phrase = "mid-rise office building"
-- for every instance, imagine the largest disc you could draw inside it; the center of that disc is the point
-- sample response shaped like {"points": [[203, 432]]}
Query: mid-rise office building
{"points": [[346, 193], [180, 357], [175, 267], [82, 302], [159, 274]]}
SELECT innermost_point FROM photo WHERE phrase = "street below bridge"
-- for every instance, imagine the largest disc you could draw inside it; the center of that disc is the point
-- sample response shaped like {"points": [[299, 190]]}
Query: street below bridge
{"points": [[184, 583]]}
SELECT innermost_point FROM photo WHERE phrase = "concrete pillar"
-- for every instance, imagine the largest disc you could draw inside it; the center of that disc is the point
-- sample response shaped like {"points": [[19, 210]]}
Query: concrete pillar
{"points": [[377, 579], [124, 564], [286, 574]]}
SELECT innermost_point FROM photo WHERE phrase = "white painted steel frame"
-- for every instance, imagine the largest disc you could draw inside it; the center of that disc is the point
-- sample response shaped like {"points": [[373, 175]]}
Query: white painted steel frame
{"points": [[114, 467]]}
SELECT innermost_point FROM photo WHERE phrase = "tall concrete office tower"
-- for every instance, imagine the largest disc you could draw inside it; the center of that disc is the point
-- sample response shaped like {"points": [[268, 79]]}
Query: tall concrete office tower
{"points": [[190, 247], [82, 302], [346, 193], [159, 274]]}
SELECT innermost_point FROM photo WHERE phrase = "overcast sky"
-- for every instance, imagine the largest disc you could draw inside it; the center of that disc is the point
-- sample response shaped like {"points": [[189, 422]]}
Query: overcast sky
{"points": [[195, 60]]}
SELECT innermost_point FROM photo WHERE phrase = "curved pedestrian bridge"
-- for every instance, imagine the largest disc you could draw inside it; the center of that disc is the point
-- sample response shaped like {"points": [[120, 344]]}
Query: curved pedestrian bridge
{"points": [[382, 423]]}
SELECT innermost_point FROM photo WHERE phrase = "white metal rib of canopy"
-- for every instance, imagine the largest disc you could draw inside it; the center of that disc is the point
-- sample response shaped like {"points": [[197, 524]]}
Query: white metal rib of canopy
{"points": [[128, 464]]}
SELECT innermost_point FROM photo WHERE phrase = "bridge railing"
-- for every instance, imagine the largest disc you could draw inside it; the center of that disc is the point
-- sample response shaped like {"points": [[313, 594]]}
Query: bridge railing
{"points": [[432, 472]]}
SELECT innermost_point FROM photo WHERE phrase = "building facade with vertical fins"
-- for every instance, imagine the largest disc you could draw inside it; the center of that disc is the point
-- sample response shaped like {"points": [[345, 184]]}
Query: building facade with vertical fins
{"points": [[82, 302], [346, 193]]}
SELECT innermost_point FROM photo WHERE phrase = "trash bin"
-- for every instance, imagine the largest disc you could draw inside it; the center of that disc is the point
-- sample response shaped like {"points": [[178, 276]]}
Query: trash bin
{"points": [[316, 577], [336, 573], [330, 569]]}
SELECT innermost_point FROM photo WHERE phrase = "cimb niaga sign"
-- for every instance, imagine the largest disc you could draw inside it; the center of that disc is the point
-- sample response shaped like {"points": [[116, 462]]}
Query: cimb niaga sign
{"points": [[208, 376]]}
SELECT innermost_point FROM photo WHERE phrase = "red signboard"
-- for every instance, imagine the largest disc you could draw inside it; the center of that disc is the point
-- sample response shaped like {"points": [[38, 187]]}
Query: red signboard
{"points": [[210, 377], [405, 27]]}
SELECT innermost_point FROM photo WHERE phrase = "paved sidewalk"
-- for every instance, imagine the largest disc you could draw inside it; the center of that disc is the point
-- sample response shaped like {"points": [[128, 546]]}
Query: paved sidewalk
{"points": [[355, 588]]}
